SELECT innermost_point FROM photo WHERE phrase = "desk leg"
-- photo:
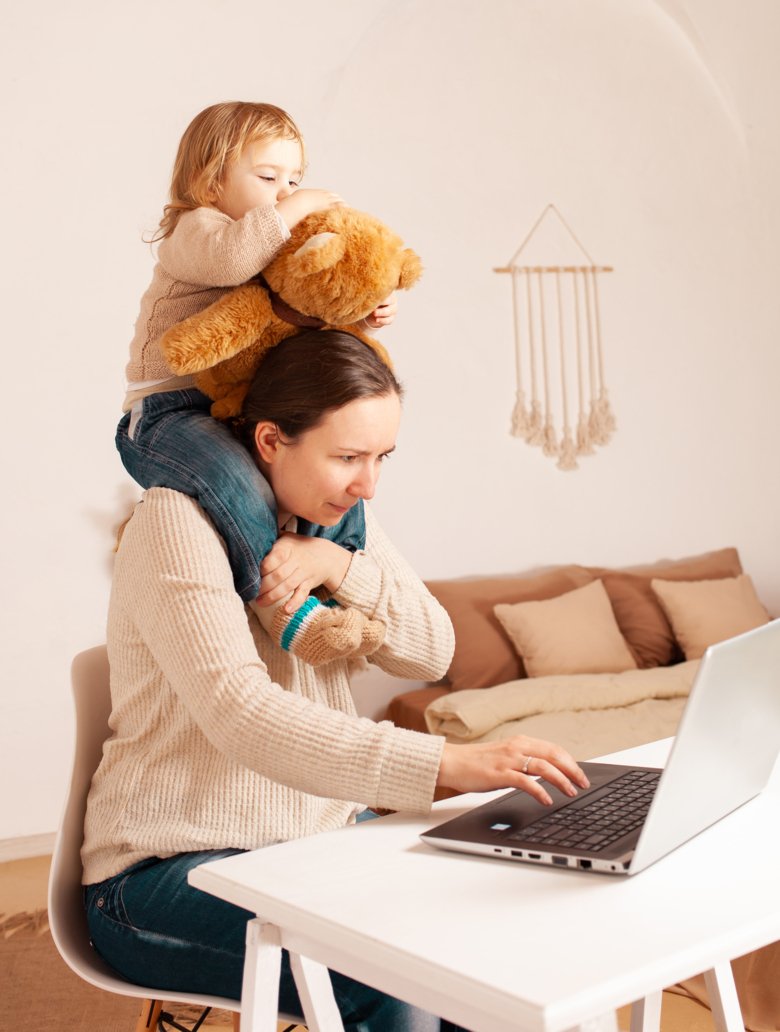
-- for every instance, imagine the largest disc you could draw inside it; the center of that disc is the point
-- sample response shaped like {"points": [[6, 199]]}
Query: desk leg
{"points": [[262, 971], [722, 993], [316, 992], [646, 1013]]}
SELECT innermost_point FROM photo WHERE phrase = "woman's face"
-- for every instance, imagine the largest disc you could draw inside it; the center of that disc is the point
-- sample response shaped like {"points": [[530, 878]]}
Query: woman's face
{"points": [[322, 474]]}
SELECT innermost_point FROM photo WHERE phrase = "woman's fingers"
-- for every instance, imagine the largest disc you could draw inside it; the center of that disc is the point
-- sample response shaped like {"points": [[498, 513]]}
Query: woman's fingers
{"points": [[512, 763]]}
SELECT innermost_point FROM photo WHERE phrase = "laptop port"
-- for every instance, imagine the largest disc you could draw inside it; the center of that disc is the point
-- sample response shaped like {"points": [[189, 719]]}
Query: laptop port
{"points": [[586, 864], [534, 856], [561, 861], [515, 852]]}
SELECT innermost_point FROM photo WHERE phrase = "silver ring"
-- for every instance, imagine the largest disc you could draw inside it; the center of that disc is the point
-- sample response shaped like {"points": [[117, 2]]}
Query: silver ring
{"points": [[527, 764]]}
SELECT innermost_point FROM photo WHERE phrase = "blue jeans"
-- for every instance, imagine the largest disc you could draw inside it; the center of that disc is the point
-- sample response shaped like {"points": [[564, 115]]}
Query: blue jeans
{"points": [[156, 930], [176, 443]]}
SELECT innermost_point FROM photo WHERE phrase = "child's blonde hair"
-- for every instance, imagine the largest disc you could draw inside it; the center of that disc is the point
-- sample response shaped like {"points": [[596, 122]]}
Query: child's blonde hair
{"points": [[212, 141]]}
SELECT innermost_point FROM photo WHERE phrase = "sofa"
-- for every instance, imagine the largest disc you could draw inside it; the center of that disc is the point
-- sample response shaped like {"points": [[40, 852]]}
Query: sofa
{"points": [[597, 659]]}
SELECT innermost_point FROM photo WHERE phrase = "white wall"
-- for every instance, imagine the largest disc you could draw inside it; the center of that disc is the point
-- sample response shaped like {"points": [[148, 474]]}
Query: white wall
{"points": [[651, 125]]}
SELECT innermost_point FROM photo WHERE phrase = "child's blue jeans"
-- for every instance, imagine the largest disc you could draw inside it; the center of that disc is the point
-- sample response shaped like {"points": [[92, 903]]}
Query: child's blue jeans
{"points": [[176, 443], [156, 930]]}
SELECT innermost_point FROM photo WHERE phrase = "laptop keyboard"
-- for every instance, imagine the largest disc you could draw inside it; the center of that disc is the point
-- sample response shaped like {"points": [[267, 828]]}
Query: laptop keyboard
{"points": [[596, 823]]}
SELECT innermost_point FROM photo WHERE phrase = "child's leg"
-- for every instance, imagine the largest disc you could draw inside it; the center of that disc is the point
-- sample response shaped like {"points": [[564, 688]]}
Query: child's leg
{"points": [[175, 443]]}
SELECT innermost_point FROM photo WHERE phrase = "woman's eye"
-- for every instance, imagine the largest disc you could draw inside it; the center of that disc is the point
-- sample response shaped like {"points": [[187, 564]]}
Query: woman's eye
{"points": [[347, 458], [268, 179]]}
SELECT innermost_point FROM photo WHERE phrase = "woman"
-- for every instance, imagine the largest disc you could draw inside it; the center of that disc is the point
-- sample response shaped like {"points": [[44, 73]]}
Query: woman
{"points": [[222, 740]]}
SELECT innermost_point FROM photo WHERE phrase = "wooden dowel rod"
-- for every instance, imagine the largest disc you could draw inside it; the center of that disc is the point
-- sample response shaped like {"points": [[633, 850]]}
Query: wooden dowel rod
{"points": [[555, 268]]}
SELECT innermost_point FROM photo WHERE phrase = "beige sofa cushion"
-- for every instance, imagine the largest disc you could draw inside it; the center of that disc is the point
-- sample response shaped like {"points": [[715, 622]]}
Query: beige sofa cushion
{"points": [[704, 612], [639, 614], [484, 655], [575, 633]]}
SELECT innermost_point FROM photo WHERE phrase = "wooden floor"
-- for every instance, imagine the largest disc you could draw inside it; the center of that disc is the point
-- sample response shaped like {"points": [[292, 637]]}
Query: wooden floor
{"points": [[23, 887]]}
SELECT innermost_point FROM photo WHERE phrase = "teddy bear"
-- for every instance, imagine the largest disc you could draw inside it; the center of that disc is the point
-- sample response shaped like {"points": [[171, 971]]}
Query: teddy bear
{"points": [[337, 267]]}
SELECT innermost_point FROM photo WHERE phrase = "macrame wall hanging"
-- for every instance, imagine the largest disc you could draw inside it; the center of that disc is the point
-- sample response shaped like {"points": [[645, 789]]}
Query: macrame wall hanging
{"points": [[562, 404]]}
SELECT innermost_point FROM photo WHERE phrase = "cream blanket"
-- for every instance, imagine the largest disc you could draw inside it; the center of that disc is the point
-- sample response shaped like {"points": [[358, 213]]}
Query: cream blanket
{"points": [[588, 714]]}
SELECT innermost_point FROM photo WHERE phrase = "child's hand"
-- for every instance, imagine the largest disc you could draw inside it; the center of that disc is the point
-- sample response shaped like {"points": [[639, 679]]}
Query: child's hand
{"points": [[300, 564], [304, 202], [384, 314]]}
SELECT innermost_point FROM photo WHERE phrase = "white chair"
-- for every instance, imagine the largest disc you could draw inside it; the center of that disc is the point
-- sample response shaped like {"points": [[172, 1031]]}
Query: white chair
{"points": [[67, 918]]}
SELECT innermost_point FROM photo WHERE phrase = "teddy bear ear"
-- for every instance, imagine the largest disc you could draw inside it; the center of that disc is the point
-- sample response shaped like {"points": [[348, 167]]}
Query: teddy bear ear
{"points": [[411, 269], [320, 251]]}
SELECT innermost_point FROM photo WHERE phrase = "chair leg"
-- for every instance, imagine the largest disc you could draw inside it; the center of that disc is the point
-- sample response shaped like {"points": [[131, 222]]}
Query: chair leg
{"points": [[150, 1013], [236, 1022]]}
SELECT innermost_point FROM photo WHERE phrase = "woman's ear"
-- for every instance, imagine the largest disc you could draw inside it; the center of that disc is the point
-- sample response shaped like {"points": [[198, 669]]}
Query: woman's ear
{"points": [[267, 440]]}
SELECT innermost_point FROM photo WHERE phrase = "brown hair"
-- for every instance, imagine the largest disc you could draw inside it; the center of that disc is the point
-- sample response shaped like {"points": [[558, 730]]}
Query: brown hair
{"points": [[212, 141], [306, 376]]}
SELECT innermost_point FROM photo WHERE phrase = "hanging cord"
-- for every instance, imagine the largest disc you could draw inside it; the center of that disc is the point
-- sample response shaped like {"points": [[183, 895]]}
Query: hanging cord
{"points": [[549, 439], [534, 433], [520, 417], [568, 452], [584, 444], [605, 419], [592, 427]]}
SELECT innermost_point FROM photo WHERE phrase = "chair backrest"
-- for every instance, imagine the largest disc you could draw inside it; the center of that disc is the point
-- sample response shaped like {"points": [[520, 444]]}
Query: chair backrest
{"points": [[67, 918]]}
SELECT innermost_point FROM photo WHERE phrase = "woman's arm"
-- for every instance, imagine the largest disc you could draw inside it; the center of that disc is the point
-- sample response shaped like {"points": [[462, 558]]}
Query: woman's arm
{"points": [[420, 640], [191, 642]]}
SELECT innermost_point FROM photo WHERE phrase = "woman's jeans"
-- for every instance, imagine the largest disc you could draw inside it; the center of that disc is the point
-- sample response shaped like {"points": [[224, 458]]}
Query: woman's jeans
{"points": [[156, 930], [173, 441]]}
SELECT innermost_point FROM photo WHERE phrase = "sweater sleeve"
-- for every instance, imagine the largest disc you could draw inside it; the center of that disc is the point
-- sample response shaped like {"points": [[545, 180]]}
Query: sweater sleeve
{"points": [[210, 249], [420, 640], [175, 584]]}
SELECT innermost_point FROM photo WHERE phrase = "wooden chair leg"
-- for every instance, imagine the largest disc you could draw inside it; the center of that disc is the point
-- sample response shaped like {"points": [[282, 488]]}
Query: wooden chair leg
{"points": [[236, 1022], [149, 1016]]}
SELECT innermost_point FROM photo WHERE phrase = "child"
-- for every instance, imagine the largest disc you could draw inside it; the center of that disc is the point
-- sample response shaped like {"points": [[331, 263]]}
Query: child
{"points": [[234, 198]]}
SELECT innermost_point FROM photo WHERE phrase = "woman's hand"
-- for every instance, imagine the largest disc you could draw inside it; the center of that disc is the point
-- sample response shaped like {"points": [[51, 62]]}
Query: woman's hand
{"points": [[300, 564], [383, 315], [511, 763]]}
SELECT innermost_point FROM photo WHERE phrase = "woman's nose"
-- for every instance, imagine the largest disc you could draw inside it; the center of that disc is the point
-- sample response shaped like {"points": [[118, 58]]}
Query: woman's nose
{"points": [[364, 484]]}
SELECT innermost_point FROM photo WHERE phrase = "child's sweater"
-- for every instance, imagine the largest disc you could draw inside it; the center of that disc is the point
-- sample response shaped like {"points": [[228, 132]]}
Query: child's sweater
{"points": [[207, 255]]}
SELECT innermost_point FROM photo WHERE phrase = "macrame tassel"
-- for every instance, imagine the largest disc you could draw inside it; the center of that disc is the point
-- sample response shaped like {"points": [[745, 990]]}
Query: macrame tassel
{"points": [[568, 458], [549, 440], [535, 433], [584, 439], [602, 419], [521, 422]]}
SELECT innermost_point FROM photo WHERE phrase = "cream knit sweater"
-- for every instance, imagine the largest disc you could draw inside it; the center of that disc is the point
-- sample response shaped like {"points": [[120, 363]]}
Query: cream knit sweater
{"points": [[207, 254], [222, 739]]}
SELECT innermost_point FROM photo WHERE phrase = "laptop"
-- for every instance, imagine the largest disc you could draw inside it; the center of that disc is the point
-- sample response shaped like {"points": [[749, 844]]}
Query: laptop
{"points": [[722, 756]]}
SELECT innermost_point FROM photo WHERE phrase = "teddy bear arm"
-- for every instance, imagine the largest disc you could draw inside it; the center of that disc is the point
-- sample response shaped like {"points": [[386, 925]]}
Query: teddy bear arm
{"points": [[222, 330]]}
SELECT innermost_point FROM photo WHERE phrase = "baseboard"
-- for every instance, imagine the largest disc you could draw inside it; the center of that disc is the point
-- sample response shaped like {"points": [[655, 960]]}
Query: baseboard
{"points": [[26, 846]]}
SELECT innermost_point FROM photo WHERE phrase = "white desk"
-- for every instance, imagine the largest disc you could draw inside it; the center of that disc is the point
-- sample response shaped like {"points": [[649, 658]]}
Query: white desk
{"points": [[496, 945]]}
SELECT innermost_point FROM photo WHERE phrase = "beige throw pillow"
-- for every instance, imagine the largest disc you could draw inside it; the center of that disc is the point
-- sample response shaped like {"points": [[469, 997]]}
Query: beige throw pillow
{"points": [[704, 612], [575, 633]]}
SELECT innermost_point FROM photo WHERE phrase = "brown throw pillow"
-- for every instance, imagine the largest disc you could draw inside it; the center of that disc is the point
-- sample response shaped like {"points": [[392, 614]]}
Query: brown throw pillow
{"points": [[638, 612], [705, 612], [484, 655], [575, 633]]}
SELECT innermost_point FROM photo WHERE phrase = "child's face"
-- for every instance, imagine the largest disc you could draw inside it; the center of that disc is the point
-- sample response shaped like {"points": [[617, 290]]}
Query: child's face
{"points": [[266, 172]]}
